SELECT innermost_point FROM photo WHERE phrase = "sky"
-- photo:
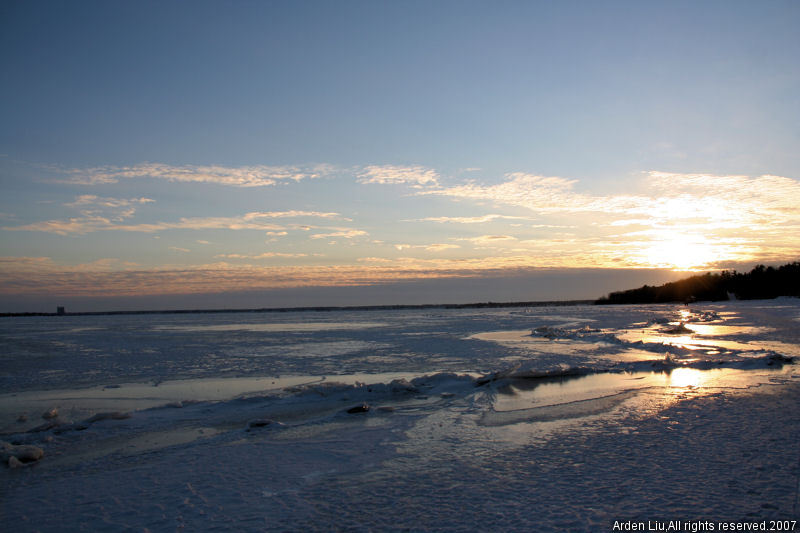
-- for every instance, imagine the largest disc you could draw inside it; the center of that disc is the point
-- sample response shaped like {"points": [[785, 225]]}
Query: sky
{"points": [[256, 154]]}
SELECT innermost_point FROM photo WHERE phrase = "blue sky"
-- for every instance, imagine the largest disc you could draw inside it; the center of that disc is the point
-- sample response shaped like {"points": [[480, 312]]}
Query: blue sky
{"points": [[157, 149]]}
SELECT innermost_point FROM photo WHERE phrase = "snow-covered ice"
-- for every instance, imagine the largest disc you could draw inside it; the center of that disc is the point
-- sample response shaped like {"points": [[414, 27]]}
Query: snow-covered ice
{"points": [[561, 418]]}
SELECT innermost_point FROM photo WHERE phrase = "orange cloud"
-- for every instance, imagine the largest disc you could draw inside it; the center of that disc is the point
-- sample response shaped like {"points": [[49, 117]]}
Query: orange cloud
{"points": [[726, 218], [343, 233], [109, 277], [265, 255]]}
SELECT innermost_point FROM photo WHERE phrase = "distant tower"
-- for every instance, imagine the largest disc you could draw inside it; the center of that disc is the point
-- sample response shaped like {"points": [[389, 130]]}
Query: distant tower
{"points": [[60, 310]]}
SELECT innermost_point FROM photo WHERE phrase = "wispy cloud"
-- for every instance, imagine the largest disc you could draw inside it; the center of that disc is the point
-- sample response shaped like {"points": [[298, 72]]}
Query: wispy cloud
{"points": [[541, 194], [756, 212], [246, 176], [441, 247], [248, 221], [663, 219], [344, 234], [116, 209], [296, 214], [88, 224], [731, 200], [488, 239], [471, 220], [90, 200], [416, 176], [663, 195], [436, 247], [265, 255]]}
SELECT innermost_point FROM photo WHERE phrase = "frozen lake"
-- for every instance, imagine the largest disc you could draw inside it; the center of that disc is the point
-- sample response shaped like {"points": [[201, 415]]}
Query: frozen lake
{"points": [[205, 395]]}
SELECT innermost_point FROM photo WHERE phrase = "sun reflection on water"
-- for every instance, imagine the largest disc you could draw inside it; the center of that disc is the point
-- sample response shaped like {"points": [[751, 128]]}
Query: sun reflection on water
{"points": [[686, 378], [695, 337], [640, 394]]}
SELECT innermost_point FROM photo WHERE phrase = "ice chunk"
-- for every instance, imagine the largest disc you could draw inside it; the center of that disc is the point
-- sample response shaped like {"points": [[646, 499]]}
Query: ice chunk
{"points": [[116, 415], [680, 329], [363, 408], [262, 423], [23, 453]]}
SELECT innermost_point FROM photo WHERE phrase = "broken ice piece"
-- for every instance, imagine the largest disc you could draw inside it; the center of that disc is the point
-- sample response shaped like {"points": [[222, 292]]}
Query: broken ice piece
{"points": [[262, 423]]}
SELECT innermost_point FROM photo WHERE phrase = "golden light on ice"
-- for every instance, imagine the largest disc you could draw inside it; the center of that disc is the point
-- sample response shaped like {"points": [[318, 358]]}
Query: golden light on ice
{"points": [[685, 377]]}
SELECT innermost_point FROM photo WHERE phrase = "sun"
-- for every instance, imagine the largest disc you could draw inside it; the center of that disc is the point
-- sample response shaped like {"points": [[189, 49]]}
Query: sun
{"points": [[686, 253]]}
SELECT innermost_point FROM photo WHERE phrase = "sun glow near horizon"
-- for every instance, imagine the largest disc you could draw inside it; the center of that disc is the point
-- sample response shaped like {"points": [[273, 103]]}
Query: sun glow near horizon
{"points": [[686, 253], [477, 231]]}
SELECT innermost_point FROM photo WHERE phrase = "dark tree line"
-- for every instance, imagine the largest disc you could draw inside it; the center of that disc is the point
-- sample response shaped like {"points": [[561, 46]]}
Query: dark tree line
{"points": [[760, 283]]}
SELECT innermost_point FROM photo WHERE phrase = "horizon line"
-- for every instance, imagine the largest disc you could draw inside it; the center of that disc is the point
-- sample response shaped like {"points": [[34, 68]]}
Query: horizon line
{"points": [[382, 307]]}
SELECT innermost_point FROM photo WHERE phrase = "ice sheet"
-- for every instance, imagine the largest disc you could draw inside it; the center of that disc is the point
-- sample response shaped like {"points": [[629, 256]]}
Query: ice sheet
{"points": [[542, 419]]}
